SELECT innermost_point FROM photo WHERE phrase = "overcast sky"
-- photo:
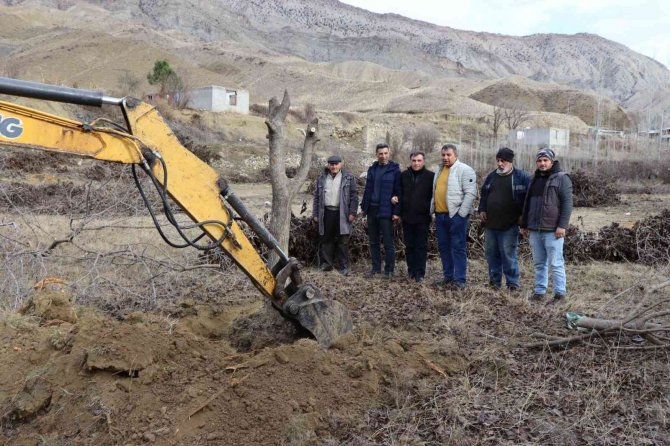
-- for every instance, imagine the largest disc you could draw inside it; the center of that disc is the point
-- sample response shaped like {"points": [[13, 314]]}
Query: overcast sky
{"points": [[642, 25]]}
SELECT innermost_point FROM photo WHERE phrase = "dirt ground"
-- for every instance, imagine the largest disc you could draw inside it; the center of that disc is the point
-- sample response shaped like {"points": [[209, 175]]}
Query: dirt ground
{"points": [[115, 339], [422, 366], [633, 207]]}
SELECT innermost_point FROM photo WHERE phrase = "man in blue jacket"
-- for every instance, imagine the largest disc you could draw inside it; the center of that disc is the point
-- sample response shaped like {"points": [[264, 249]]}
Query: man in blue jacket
{"points": [[383, 183], [502, 196]]}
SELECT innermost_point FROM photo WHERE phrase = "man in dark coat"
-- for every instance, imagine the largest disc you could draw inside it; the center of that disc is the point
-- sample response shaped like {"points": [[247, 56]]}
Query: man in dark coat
{"points": [[334, 207], [417, 192], [383, 183], [502, 196]]}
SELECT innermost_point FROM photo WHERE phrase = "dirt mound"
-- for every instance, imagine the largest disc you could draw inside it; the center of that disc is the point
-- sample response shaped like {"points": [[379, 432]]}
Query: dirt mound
{"points": [[171, 380], [51, 307]]}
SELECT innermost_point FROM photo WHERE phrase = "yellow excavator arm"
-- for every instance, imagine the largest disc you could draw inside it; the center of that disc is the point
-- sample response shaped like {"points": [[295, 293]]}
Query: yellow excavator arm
{"points": [[147, 142]]}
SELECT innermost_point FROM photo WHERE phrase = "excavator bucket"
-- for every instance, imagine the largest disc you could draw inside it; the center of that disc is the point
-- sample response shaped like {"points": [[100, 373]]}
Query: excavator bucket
{"points": [[326, 319]]}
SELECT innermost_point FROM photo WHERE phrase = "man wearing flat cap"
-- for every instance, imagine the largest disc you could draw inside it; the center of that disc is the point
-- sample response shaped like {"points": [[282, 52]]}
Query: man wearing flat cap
{"points": [[502, 196], [545, 218], [334, 208]]}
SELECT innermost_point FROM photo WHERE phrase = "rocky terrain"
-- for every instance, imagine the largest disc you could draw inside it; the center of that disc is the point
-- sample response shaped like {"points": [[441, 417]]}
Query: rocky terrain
{"points": [[313, 48]]}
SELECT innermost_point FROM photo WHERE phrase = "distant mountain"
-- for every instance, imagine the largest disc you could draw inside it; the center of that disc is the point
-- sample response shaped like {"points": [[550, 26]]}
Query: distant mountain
{"points": [[280, 33], [327, 31]]}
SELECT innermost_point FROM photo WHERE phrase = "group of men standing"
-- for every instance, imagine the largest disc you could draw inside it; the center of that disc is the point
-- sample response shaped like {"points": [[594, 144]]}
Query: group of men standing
{"points": [[511, 202]]}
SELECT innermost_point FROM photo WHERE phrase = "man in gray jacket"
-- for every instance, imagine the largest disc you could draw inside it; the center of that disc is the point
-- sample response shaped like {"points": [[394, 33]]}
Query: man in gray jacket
{"points": [[334, 207], [454, 192], [545, 218]]}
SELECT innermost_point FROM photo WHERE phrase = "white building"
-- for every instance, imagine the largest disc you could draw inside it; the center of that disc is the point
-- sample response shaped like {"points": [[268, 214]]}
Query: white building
{"points": [[219, 99], [555, 139]]}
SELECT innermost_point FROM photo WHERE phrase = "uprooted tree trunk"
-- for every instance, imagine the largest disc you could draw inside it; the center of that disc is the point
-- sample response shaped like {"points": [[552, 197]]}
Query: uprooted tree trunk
{"points": [[284, 188], [648, 321]]}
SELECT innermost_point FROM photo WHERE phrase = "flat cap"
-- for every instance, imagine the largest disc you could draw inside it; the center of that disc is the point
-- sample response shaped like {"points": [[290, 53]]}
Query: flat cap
{"points": [[334, 159]]}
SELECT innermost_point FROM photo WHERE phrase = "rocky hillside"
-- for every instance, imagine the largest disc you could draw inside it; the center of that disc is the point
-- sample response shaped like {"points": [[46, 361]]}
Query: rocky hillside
{"points": [[327, 30], [237, 38]]}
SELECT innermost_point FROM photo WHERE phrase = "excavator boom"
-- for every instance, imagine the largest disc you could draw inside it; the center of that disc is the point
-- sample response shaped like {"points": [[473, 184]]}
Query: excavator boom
{"points": [[148, 142]]}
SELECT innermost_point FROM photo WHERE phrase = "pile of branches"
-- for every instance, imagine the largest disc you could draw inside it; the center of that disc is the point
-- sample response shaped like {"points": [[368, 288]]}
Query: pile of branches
{"points": [[593, 190], [647, 242], [304, 238]]}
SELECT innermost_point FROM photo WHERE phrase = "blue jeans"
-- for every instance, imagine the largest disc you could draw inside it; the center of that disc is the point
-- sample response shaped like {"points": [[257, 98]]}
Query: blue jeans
{"points": [[381, 226], [416, 248], [501, 249], [452, 235], [547, 253]]}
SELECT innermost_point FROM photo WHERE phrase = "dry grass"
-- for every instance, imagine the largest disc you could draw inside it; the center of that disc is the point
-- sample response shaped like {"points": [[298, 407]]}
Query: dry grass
{"points": [[507, 395]]}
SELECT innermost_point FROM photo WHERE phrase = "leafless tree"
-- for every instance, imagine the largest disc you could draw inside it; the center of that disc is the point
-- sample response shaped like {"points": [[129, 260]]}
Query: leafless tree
{"points": [[283, 188], [496, 121], [129, 83], [182, 94], [515, 116], [425, 138], [309, 112], [398, 141]]}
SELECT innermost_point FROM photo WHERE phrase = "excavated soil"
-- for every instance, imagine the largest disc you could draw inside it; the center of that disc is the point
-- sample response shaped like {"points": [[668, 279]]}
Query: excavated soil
{"points": [[76, 376]]}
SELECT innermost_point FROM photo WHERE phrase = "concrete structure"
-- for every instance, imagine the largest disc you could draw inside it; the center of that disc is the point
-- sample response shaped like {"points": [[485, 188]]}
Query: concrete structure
{"points": [[556, 139], [663, 134], [219, 99]]}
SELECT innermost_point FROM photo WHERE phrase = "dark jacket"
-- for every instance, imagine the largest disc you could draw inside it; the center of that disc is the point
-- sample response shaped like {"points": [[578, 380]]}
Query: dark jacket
{"points": [[348, 200], [520, 181], [390, 186], [553, 209], [417, 192]]}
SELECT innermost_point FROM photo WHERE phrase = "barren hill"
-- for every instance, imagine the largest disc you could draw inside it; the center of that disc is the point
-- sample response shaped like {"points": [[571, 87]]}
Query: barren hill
{"points": [[518, 93], [334, 55]]}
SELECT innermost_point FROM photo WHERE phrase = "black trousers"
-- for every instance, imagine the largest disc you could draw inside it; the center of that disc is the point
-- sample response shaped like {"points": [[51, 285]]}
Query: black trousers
{"points": [[334, 246], [415, 236]]}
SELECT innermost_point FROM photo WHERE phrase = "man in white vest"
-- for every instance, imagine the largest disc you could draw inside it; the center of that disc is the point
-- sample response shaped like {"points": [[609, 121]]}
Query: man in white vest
{"points": [[454, 193]]}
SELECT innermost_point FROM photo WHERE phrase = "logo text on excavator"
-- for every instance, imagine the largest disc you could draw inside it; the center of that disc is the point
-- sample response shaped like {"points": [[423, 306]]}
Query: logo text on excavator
{"points": [[10, 127]]}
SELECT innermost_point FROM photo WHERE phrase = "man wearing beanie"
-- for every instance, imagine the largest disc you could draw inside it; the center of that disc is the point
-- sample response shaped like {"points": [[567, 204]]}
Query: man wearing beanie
{"points": [[502, 196], [545, 218]]}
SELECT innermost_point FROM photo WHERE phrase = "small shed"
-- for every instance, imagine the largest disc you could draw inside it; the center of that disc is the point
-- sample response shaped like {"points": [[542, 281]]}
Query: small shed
{"points": [[219, 99], [553, 138]]}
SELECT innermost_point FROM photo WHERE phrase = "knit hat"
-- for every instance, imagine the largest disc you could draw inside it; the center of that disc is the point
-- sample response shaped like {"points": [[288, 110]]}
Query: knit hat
{"points": [[545, 152], [505, 154]]}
